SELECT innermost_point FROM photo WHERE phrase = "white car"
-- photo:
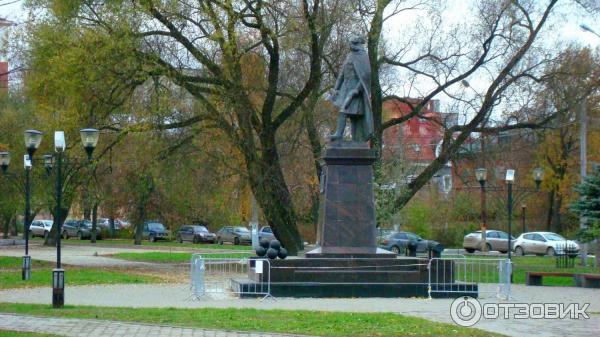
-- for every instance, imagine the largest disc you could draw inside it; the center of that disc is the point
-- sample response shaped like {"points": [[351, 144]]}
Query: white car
{"points": [[544, 243], [40, 228]]}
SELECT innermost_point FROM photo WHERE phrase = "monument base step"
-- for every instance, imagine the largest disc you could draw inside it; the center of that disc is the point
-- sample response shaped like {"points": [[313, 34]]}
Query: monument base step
{"points": [[245, 288]]}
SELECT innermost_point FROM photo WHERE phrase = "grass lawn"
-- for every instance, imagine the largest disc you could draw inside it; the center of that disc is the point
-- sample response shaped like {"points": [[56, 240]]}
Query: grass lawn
{"points": [[174, 257], [146, 243], [523, 264], [331, 324], [8, 333], [10, 262], [41, 275]]}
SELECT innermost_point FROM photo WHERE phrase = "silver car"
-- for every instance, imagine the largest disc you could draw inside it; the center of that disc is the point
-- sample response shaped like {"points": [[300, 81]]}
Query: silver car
{"points": [[40, 228], [494, 240], [544, 243]]}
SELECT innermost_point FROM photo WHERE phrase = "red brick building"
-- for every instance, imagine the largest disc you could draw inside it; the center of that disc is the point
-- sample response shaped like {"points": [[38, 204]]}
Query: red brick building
{"points": [[3, 76], [416, 140]]}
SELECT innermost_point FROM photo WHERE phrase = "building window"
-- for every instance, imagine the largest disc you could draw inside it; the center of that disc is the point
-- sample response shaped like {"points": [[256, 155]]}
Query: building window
{"points": [[447, 183]]}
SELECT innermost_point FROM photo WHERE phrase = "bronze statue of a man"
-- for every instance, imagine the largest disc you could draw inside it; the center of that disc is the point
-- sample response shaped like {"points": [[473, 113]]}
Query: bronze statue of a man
{"points": [[352, 94]]}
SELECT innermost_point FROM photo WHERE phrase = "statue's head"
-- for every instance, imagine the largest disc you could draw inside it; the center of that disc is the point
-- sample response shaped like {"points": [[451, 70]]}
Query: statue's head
{"points": [[356, 42]]}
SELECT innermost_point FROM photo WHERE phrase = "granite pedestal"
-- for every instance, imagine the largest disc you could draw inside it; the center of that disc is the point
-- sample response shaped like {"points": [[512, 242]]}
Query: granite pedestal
{"points": [[346, 226], [347, 262]]}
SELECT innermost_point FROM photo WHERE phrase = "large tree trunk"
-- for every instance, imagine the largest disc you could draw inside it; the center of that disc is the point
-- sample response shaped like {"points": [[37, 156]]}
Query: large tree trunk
{"points": [[272, 194], [7, 220], [556, 215], [51, 238], [13, 228], [315, 145], [139, 224], [550, 210], [139, 228], [94, 222]]}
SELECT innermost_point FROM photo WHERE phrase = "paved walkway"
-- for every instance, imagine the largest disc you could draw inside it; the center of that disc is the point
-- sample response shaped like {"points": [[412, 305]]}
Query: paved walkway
{"points": [[177, 296], [71, 327], [95, 256]]}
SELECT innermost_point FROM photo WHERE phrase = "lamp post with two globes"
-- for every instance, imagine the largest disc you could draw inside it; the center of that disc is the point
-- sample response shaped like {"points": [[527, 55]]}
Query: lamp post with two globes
{"points": [[89, 139]]}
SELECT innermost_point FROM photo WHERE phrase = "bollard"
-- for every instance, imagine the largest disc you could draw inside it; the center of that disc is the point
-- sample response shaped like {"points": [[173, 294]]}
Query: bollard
{"points": [[26, 268], [435, 249], [412, 248], [58, 288]]}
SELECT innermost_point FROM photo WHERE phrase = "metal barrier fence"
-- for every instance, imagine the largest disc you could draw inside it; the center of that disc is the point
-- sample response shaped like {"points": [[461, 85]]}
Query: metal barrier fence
{"points": [[214, 277], [462, 275], [565, 255]]}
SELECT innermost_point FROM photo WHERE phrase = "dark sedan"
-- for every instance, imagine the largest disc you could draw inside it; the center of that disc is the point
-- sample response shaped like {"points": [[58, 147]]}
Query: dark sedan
{"points": [[266, 233], [234, 234], [195, 234], [154, 230], [397, 242], [82, 229]]}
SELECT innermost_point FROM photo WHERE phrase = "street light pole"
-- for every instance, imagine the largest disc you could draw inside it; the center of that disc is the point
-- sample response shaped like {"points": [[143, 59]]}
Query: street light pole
{"points": [[26, 266], [510, 178], [583, 151], [523, 207], [58, 274], [89, 138], [481, 175], [583, 166], [33, 138]]}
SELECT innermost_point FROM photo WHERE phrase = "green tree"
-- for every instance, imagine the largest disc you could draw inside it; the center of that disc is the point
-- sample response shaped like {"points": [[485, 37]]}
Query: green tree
{"points": [[588, 208]]}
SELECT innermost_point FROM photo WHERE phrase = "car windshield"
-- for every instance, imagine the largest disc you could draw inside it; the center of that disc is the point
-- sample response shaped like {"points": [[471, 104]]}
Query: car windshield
{"points": [[554, 237], [200, 229], [241, 230], [267, 230], [156, 226], [86, 223]]}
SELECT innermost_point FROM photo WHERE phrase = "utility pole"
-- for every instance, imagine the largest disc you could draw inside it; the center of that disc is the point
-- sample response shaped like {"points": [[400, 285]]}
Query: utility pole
{"points": [[583, 159]]}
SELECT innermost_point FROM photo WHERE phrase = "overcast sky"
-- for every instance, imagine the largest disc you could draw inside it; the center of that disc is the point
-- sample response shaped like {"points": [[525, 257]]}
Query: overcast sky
{"points": [[569, 29], [565, 21]]}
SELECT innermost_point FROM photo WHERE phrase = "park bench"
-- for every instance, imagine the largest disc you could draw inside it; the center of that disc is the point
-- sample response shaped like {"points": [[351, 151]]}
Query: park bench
{"points": [[587, 280], [534, 278]]}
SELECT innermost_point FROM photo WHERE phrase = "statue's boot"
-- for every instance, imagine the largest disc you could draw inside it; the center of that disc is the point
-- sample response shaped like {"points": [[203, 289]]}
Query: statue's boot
{"points": [[341, 125]]}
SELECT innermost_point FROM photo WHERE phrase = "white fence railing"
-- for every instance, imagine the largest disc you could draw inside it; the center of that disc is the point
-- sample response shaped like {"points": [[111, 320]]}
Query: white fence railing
{"points": [[215, 277], [484, 276]]}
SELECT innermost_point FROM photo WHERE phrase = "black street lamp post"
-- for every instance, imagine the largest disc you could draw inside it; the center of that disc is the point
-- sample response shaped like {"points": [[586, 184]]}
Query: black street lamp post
{"points": [[510, 179], [481, 175], [89, 139], [523, 208], [58, 274], [33, 138]]}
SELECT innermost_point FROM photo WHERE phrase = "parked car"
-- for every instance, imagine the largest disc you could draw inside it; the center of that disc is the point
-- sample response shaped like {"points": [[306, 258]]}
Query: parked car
{"points": [[398, 241], [265, 232], [234, 234], [81, 229], [123, 223], [544, 243], [383, 233], [195, 234], [494, 240], [40, 228], [154, 230], [105, 223]]}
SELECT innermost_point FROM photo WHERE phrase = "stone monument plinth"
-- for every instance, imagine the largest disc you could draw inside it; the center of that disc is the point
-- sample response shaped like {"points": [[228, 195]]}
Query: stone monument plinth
{"points": [[347, 207]]}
